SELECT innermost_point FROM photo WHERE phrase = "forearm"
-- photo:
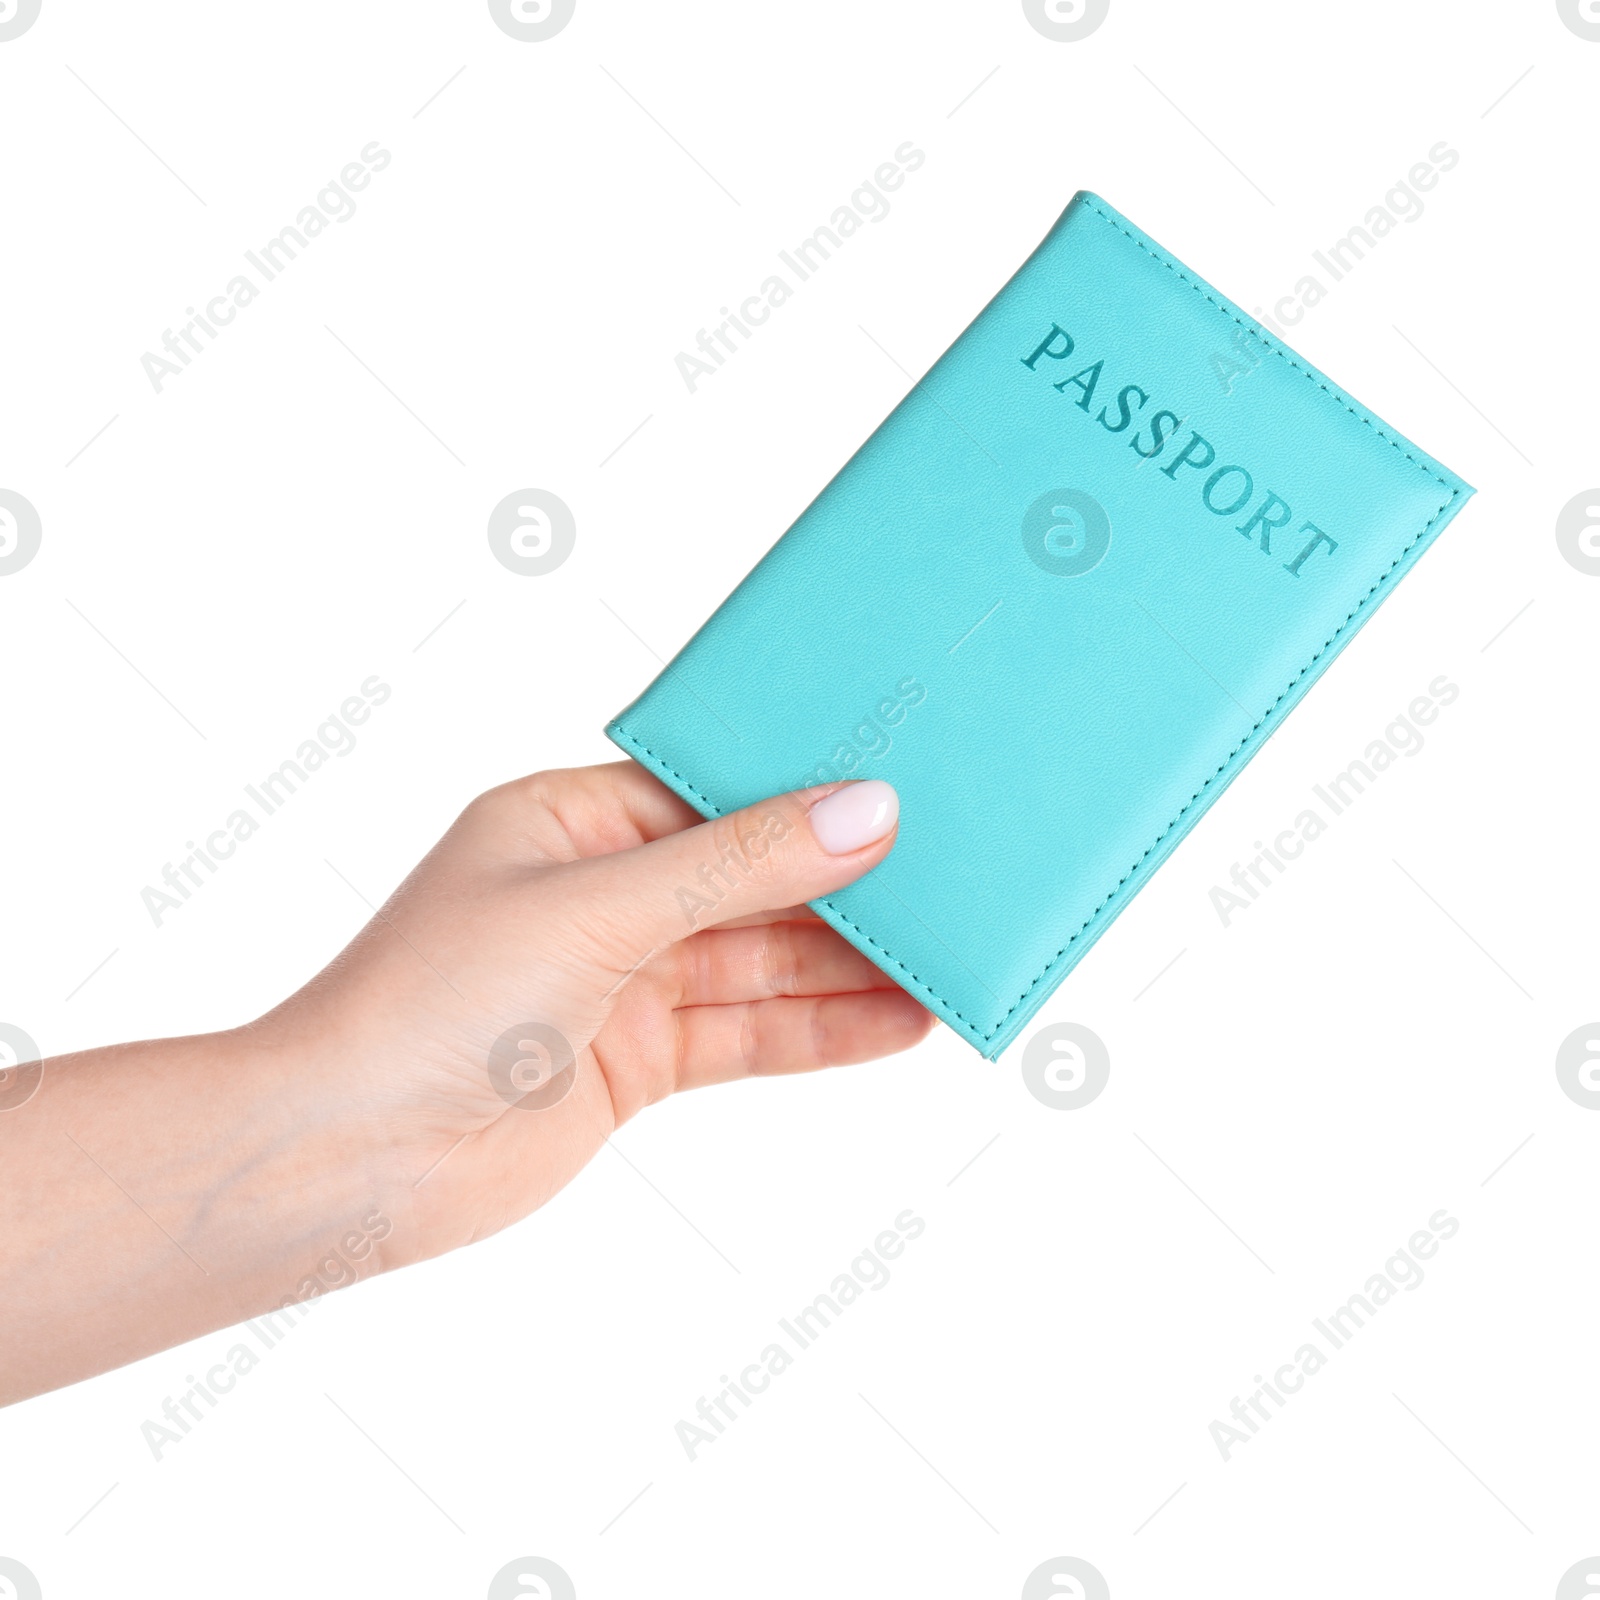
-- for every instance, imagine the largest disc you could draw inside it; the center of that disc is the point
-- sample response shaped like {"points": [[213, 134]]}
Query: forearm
{"points": [[152, 1192]]}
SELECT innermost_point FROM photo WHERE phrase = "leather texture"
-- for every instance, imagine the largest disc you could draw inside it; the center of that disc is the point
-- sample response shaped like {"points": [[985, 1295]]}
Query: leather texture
{"points": [[1055, 711]]}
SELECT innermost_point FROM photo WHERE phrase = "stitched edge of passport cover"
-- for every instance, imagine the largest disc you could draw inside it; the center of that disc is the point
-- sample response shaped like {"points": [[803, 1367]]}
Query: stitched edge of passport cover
{"points": [[991, 1040]]}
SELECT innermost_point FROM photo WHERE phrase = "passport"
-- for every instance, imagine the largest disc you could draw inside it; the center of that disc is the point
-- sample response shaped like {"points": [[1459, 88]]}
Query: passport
{"points": [[1059, 598]]}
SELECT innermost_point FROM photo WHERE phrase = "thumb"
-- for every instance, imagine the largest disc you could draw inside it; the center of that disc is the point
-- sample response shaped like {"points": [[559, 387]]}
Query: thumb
{"points": [[775, 853]]}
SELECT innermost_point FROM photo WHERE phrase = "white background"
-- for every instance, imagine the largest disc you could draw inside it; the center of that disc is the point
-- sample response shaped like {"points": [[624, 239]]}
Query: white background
{"points": [[1289, 1100]]}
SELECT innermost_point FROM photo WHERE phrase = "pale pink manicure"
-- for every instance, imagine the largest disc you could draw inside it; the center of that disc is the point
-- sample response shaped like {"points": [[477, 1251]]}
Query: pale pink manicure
{"points": [[851, 818]]}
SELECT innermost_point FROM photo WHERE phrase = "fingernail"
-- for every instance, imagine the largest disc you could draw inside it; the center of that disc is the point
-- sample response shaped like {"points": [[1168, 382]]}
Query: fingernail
{"points": [[855, 816]]}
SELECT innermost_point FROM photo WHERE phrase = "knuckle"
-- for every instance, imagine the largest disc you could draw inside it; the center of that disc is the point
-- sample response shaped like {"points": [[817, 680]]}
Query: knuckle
{"points": [[748, 847], [819, 1035], [750, 1041], [523, 812], [780, 958]]}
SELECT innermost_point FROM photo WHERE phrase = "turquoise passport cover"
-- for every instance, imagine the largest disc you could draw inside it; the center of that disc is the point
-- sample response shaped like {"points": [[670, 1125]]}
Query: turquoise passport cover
{"points": [[1058, 599]]}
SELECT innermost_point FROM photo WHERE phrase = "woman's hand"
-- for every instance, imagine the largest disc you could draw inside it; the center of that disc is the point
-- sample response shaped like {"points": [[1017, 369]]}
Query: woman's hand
{"points": [[579, 945]]}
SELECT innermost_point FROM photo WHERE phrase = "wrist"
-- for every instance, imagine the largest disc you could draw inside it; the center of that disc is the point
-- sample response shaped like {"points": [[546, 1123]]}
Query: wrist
{"points": [[320, 1174]]}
